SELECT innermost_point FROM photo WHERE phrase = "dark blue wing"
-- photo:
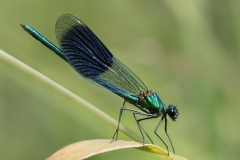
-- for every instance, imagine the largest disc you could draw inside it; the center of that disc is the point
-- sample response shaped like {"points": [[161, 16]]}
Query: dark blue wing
{"points": [[92, 60]]}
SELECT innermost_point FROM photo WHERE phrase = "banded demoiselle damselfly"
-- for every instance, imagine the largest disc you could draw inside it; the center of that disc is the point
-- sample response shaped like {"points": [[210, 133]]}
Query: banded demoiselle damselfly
{"points": [[82, 49]]}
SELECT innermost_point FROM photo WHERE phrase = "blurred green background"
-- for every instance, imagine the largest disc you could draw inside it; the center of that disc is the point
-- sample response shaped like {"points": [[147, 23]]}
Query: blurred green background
{"points": [[188, 51]]}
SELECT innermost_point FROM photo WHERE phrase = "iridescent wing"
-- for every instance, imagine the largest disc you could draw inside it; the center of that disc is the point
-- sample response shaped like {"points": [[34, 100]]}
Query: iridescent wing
{"points": [[92, 60]]}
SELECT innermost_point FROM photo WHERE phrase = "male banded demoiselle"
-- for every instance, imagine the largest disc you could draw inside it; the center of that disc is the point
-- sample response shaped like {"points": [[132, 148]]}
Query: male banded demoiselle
{"points": [[82, 49]]}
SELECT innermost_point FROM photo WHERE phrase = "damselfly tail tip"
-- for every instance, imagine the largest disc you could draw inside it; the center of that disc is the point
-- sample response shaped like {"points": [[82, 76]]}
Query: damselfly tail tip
{"points": [[23, 25], [25, 28]]}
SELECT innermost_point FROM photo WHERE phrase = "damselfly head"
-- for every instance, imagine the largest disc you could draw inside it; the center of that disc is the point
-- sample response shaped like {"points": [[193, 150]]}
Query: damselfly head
{"points": [[172, 112]]}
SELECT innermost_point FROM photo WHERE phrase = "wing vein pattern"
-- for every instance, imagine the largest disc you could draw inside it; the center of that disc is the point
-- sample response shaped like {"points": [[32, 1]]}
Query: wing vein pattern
{"points": [[92, 60]]}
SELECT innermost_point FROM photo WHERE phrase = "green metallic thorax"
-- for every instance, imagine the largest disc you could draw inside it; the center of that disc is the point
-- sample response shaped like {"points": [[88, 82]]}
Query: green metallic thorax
{"points": [[148, 101]]}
